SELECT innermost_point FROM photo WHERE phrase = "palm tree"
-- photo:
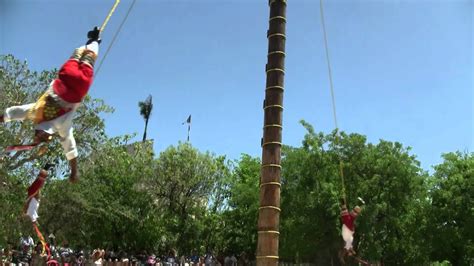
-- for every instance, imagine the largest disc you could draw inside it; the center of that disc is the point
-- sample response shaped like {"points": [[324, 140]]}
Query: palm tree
{"points": [[145, 110]]}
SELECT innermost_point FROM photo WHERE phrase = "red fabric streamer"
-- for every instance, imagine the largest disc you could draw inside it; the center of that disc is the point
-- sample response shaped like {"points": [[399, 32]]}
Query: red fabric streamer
{"points": [[43, 242], [20, 147]]}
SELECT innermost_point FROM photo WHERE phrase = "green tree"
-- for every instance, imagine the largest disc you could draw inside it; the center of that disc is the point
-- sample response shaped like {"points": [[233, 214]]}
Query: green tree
{"points": [[452, 215], [20, 85], [185, 183], [391, 228], [310, 190], [109, 207], [240, 218]]}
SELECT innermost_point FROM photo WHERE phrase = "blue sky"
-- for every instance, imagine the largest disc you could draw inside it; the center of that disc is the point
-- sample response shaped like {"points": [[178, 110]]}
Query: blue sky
{"points": [[403, 70]]}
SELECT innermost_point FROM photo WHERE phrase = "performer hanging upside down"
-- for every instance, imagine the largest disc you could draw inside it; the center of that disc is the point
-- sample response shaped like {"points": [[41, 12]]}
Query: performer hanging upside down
{"points": [[54, 111], [348, 227], [33, 200]]}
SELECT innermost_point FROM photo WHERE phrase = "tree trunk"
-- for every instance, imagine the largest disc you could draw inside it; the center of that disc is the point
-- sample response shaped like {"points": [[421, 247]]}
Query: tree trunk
{"points": [[146, 128], [269, 211]]}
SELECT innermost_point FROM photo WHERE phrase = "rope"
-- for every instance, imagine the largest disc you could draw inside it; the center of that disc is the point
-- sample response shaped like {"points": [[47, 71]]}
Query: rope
{"points": [[333, 98], [109, 15], [331, 84], [116, 33]]}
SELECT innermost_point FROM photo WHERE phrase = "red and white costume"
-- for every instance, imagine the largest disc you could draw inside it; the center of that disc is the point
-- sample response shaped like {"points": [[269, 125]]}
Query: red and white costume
{"points": [[348, 227], [32, 203], [54, 111]]}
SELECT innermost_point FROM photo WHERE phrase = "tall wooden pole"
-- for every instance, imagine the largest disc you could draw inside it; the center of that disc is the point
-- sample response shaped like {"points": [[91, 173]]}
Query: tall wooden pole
{"points": [[269, 211]]}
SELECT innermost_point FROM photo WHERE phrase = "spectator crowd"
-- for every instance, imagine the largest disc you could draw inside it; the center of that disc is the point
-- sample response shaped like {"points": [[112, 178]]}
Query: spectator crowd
{"points": [[26, 252]]}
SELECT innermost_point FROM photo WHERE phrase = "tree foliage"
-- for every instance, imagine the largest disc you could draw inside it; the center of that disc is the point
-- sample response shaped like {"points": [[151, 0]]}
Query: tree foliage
{"points": [[452, 210], [146, 108], [185, 184], [134, 200], [384, 174], [20, 85], [240, 233]]}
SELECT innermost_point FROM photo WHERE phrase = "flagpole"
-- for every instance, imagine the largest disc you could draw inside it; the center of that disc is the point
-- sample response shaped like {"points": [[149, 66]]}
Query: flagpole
{"points": [[188, 121]]}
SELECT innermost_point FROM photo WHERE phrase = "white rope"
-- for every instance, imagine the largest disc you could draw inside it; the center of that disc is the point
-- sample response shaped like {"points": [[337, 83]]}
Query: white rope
{"points": [[329, 65], [331, 85], [115, 37]]}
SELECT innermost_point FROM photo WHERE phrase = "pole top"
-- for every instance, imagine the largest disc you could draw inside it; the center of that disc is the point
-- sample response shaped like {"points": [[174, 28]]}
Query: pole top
{"points": [[270, 2]]}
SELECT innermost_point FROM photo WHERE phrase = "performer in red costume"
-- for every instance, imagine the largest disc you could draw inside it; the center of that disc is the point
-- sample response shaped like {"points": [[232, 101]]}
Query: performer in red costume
{"points": [[33, 200], [54, 111], [348, 227]]}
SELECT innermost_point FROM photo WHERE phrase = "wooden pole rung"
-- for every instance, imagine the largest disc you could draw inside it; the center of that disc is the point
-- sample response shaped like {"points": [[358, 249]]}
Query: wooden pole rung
{"points": [[273, 106], [275, 69], [267, 257], [277, 34], [272, 125], [271, 143], [275, 87], [271, 165], [278, 17], [269, 232], [277, 52], [270, 183], [270, 207]]}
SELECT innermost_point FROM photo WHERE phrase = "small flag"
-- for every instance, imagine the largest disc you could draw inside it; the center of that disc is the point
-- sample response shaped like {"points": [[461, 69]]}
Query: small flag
{"points": [[188, 121]]}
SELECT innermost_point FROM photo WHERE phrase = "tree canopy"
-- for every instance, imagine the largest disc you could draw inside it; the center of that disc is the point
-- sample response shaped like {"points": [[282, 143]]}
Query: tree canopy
{"points": [[131, 199]]}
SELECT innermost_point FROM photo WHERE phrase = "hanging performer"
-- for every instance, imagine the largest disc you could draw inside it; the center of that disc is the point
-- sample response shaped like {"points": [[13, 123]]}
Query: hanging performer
{"points": [[348, 226], [32, 203], [54, 111]]}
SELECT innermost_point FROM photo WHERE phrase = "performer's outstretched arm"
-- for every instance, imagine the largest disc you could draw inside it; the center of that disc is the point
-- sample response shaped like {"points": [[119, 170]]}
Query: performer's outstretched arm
{"points": [[16, 113]]}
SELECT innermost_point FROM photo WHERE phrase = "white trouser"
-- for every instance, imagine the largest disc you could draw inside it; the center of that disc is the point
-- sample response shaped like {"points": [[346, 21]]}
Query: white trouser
{"points": [[32, 210], [348, 236]]}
